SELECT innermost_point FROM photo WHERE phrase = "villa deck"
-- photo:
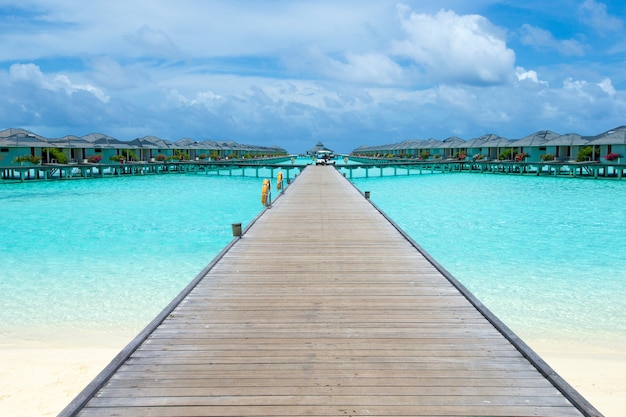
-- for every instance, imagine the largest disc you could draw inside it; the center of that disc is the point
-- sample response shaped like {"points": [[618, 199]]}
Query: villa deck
{"points": [[357, 167], [325, 308]]}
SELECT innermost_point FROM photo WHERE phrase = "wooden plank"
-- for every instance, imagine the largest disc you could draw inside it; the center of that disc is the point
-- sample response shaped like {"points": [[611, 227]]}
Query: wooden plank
{"points": [[344, 410], [324, 308]]}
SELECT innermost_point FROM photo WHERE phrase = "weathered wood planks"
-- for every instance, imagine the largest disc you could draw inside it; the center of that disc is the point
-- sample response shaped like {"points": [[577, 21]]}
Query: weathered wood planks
{"points": [[323, 308]]}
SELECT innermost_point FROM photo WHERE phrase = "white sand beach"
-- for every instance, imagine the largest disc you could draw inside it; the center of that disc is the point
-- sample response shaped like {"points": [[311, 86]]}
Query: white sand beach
{"points": [[39, 379], [598, 374]]}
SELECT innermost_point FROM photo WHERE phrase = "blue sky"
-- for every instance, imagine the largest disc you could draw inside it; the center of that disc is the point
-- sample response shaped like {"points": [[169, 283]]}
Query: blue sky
{"points": [[291, 73]]}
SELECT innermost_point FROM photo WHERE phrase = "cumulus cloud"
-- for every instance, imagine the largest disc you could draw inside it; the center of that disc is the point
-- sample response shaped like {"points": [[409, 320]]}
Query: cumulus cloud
{"points": [[529, 75], [31, 73], [542, 39], [455, 48], [607, 86], [579, 87], [63, 82], [589, 91], [27, 73], [595, 15]]}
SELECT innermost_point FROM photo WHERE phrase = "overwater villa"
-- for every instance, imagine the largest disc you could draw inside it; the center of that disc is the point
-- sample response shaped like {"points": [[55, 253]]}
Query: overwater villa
{"points": [[19, 145], [544, 145], [319, 147]]}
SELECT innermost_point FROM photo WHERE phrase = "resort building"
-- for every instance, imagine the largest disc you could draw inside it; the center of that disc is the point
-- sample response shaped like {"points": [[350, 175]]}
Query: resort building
{"points": [[317, 148], [19, 145], [544, 145]]}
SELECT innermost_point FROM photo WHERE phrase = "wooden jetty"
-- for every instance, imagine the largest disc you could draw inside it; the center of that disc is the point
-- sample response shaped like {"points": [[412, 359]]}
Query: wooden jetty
{"points": [[357, 167], [325, 308], [86, 170], [568, 169]]}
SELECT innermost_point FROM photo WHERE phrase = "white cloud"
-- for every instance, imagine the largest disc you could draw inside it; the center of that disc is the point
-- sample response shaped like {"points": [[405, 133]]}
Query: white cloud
{"points": [[529, 75], [32, 74], [63, 82], [578, 86], [596, 16], [454, 48], [27, 72], [607, 86], [542, 39], [590, 91]]}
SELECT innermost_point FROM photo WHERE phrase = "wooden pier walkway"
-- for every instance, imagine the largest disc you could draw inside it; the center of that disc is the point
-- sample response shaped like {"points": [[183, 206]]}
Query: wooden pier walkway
{"points": [[325, 308]]}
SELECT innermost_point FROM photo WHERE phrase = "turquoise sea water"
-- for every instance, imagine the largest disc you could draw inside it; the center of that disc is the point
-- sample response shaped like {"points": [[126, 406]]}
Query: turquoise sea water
{"points": [[111, 252], [545, 254]]}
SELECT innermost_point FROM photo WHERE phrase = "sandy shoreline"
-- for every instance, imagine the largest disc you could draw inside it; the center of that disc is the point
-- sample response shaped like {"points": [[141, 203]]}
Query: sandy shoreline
{"points": [[38, 379], [598, 374]]}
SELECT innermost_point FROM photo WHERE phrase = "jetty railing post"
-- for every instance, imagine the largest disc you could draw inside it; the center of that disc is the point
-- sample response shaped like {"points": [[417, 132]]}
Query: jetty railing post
{"points": [[236, 229]]}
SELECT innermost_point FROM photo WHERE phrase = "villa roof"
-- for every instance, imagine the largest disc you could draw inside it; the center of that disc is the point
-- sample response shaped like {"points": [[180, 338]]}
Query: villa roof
{"points": [[569, 139], [151, 142], [109, 142], [210, 144], [406, 144], [20, 133], [615, 136], [94, 137], [537, 139], [186, 143], [70, 141], [488, 141], [319, 146], [453, 142], [22, 138]]}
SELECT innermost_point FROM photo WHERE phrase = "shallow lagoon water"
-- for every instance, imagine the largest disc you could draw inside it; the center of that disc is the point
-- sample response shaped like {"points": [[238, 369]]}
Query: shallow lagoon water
{"points": [[545, 254], [106, 253]]}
